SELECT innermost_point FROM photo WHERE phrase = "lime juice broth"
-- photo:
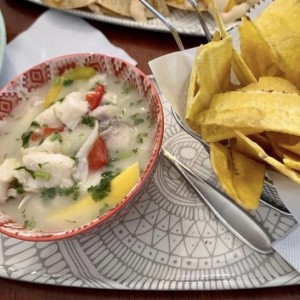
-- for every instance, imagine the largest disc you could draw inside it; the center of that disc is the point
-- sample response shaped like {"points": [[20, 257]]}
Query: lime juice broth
{"points": [[129, 137]]}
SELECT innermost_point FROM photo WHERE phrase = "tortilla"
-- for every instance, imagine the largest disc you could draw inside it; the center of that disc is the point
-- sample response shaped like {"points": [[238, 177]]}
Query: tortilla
{"points": [[133, 8], [280, 27], [212, 78], [67, 4]]}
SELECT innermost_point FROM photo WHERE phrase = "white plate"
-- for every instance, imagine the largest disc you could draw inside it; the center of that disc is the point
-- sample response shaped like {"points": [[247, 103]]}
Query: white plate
{"points": [[169, 240], [184, 22], [2, 39]]}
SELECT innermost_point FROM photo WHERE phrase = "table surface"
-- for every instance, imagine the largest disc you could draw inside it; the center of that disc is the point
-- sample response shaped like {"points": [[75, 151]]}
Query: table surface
{"points": [[142, 46]]}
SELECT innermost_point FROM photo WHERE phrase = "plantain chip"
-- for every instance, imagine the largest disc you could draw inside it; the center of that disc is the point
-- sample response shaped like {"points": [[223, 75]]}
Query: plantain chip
{"points": [[215, 133], [292, 161], [248, 178], [271, 161], [241, 146], [252, 43], [239, 66], [259, 110], [286, 141], [210, 75], [279, 25], [221, 163], [276, 149], [241, 177], [270, 83]]}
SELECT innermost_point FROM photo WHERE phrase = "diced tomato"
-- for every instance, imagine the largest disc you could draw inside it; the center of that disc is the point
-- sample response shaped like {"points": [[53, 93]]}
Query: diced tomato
{"points": [[98, 156], [49, 130], [46, 132], [94, 98], [35, 137]]}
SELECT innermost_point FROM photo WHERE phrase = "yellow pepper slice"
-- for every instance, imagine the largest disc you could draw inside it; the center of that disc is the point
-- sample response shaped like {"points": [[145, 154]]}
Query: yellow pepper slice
{"points": [[120, 187], [81, 72], [77, 73]]}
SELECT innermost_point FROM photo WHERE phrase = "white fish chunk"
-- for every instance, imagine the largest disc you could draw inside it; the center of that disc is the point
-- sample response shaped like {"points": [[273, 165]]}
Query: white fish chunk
{"points": [[48, 118], [119, 136], [82, 169], [89, 142], [73, 140], [71, 109], [47, 145], [68, 143], [6, 169], [59, 167], [6, 177], [105, 112]]}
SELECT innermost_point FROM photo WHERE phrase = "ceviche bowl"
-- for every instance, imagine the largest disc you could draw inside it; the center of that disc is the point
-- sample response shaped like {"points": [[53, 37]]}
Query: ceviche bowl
{"points": [[80, 137]]}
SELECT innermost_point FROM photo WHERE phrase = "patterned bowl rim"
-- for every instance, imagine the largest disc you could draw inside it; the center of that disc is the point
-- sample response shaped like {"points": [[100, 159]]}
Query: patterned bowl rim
{"points": [[44, 236]]}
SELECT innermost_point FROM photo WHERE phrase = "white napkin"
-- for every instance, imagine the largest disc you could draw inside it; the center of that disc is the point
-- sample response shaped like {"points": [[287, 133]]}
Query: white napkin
{"points": [[53, 34], [289, 245]]}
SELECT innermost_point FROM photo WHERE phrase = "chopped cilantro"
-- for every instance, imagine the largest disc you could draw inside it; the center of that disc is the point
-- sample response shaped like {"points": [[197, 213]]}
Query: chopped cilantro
{"points": [[42, 175], [59, 100], [73, 190], [67, 82], [101, 190], [135, 150], [140, 137], [136, 119], [25, 138], [29, 223], [88, 120], [31, 173], [48, 194], [150, 119], [126, 89], [74, 158], [109, 174], [35, 174], [18, 187], [56, 136], [41, 165], [35, 124]]}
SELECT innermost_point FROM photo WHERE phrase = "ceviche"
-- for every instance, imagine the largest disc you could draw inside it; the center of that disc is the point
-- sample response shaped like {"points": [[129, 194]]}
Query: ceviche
{"points": [[73, 150]]}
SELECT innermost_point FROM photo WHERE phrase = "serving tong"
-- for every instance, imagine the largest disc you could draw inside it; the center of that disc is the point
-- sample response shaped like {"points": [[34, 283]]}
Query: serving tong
{"points": [[236, 219]]}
